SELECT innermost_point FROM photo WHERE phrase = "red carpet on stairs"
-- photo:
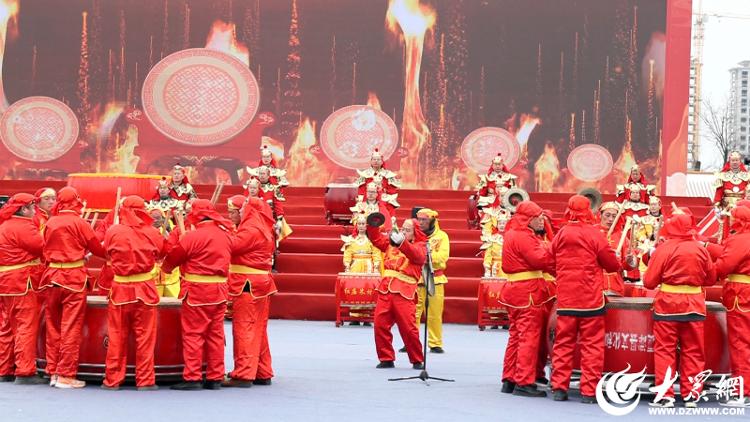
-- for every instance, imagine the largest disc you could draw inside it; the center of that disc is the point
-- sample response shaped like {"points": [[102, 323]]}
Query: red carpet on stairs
{"points": [[311, 258]]}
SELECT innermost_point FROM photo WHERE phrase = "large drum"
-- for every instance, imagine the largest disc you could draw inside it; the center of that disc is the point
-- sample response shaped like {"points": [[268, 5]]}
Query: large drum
{"points": [[356, 297], [490, 312], [629, 337], [168, 360], [99, 190], [339, 197]]}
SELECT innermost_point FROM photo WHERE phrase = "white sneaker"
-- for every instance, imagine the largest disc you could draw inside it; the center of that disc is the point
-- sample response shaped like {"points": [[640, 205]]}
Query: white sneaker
{"points": [[52, 380], [65, 383], [743, 402]]}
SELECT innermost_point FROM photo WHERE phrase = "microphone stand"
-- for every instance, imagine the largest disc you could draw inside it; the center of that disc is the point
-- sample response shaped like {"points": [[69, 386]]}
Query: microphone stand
{"points": [[429, 284]]}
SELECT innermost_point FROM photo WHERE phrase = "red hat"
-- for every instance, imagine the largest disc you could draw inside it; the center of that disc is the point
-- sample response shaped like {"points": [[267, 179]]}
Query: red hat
{"points": [[67, 200], [258, 213], [525, 211], [133, 212], [579, 209], [741, 218], [202, 209], [236, 202], [44, 192], [679, 226], [15, 203]]}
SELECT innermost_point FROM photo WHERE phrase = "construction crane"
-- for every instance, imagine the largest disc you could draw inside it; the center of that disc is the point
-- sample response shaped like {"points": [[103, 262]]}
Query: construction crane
{"points": [[696, 63]]}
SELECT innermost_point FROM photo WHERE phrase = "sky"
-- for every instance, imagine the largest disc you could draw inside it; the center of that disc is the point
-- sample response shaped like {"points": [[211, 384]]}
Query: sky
{"points": [[726, 42]]}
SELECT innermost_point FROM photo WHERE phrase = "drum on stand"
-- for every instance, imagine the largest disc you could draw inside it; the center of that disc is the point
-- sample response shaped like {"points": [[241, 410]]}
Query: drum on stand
{"points": [[168, 362], [338, 200], [629, 338], [356, 297], [490, 311]]}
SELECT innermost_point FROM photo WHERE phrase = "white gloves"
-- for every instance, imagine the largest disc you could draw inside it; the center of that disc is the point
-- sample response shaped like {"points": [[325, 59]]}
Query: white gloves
{"points": [[397, 238]]}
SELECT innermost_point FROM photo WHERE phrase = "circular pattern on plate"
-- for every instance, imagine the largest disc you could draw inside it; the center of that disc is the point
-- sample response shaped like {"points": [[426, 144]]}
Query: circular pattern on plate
{"points": [[200, 97], [39, 129], [483, 144], [590, 162]]}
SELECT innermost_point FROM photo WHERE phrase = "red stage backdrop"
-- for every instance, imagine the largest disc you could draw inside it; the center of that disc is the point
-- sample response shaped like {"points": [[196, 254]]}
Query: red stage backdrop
{"points": [[573, 92]]}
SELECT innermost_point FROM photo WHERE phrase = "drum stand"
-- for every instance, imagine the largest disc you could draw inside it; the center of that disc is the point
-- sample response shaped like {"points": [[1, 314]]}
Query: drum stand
{"points": [[429, 284]]}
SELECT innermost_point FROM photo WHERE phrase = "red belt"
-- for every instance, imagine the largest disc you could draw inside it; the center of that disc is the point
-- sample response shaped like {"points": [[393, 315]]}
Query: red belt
{"points": [[438, 273]]}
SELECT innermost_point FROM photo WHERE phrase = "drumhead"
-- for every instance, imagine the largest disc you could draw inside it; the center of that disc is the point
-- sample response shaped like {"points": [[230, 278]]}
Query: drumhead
{"points": [[715, 307], [96, 300], [635, 303]]}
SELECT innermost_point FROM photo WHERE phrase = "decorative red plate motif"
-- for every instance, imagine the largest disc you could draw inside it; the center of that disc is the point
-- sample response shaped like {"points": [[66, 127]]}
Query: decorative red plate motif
{"points": [[200, 97], [350, 135], [590, 162], [482, 145], [39, 129]]}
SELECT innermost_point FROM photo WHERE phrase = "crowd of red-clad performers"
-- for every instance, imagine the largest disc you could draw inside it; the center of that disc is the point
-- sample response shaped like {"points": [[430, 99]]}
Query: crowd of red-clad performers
{"points": [[174, 244]]}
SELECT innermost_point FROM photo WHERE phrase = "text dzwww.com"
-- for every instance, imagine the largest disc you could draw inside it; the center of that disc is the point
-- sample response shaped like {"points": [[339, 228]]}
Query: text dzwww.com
{"points": [[701, 411]]}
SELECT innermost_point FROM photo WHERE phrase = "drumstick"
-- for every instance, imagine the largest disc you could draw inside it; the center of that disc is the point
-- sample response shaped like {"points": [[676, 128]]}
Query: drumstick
{"points": [[83, 209], [628, 223], [93, 220], [217, 193], [617, 218], [117, 206], [180, 222]]}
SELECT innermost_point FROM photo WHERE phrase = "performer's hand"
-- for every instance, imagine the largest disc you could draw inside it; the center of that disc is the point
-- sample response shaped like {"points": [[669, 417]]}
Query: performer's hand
{"points": [[397, 238]]}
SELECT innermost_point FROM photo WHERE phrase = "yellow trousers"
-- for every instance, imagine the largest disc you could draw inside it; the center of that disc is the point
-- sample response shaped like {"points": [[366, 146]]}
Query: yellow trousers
{"points": [[435, 314]]}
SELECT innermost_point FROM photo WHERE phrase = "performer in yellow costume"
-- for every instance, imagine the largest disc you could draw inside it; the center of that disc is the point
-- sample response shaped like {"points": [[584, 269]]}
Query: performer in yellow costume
{"points": [[361, 256], [440, 253], [167, 285]]}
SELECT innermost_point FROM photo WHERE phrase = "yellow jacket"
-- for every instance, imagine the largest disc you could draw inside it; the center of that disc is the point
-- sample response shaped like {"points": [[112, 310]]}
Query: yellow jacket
{"points": [[440, 250]]}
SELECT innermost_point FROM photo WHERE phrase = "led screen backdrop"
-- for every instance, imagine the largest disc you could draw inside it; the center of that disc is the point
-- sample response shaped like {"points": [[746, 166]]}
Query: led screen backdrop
{"points": [[441, 86]]}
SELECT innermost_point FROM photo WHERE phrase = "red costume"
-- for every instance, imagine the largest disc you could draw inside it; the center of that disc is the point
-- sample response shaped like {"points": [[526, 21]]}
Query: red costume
{"points": [[731, 184], [204, 255], [681, 266], [733, 263], [40, 216], [133, 246], [182, 191], [67, 238], [636, 181], [397, 293], [525, 259], [251, 285], [386, 180], [613, 282], [20, 270], [581, 253]]}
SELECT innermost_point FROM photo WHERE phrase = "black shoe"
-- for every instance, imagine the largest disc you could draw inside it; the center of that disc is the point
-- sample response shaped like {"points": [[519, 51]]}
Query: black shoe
{"points": [[386, 364], [7, 378], [436, 350], [147, 388], [402, 350], [354, 323], [212, 385], [187, 385], [418, 365], [367, 324], [237, 383], [528, 391], [588, 399], [559, 395], [110, 387], [262, 381], [30, 380], [542, 381], [494, 327], [508, 387]]}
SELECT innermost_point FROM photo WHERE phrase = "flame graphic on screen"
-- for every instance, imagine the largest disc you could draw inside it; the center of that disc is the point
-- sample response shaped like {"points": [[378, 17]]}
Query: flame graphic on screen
{"points": [[223, 37], [414, 20], [8, 12]]}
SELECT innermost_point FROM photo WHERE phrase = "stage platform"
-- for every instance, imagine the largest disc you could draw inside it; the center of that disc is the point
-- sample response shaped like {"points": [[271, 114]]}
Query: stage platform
{"points": [[311, 258], [327, 374]]}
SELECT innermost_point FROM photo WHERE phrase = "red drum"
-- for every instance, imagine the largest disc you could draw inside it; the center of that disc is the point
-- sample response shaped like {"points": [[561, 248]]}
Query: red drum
{"points": [[472, 213], [490, 312], [629, 337], [356, 297], [715, 293], [168, 360], [636, 290], [99, 190], [338, 200]]}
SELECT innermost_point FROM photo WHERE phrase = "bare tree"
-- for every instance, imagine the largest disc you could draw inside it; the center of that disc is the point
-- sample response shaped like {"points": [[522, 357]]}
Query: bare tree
{"points": [[717, 123]]}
